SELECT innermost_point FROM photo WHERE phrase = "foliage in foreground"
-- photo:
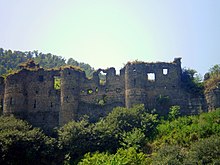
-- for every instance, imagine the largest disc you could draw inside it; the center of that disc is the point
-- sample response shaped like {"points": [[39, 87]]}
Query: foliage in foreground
{"points": [[125, 136], [123, 156], [186, 130], [22, 144], [121, 128]]}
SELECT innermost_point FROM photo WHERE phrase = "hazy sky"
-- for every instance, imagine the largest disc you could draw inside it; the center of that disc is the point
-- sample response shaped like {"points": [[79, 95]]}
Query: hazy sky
{"points": [[107, 33]]}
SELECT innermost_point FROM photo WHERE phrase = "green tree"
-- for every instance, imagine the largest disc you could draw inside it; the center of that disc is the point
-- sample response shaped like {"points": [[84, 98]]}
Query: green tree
{"points": [[215, 70], [22, 144], [212, 78], [191, 82]]}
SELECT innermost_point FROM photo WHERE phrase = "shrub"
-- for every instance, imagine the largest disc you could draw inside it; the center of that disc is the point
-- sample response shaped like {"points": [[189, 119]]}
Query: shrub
{"points": [[123, 156], [22, 144], [205, 151]]}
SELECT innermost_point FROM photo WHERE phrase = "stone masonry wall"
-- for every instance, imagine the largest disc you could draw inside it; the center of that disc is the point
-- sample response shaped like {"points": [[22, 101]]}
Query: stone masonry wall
{"points": [[213, 99], [2, 91], [31, 95]]}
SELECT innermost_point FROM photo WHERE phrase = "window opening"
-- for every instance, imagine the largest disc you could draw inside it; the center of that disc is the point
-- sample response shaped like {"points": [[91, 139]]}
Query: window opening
{"points": [[51, 104], [151, 76], [56, 82], [134, 69], [165, 71], [96, 89], [41, 78], [102, 78], [35, 103], [12, 101], [1, 106], [134, 82], [89, 91]]}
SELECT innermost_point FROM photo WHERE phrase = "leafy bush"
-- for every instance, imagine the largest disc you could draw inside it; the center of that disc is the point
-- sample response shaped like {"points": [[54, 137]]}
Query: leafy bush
{"points": [[122, 120], [174, 112], [123, 156], [122, 127], [169, 154], [205, 151], [134, 138], [22, 144], [186, 130]]}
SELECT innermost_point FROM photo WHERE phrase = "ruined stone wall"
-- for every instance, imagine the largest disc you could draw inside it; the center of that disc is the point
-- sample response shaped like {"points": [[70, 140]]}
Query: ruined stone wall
{"points": [[15, 97], [148, 82], [96, 99], [31, 95], [158, 86], [43, 99], [70, 89], [2, 91], [213, 99]]}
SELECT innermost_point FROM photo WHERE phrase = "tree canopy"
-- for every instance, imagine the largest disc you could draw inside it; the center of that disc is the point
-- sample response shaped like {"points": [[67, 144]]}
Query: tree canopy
{"points": [[10, 60]]}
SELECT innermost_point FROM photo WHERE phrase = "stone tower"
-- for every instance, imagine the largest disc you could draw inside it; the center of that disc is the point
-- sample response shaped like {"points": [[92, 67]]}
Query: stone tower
{"points": [[70, 90], [15, 96], [135, 83]]}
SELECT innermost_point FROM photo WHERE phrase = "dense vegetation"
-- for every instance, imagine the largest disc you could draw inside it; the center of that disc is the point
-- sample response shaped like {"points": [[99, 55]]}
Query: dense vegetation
{"points": [[10, 60], [212, 78], [125, 136]]}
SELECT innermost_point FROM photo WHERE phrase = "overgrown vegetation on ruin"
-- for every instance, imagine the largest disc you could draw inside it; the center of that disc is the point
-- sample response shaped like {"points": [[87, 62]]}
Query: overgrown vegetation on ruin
{"points": [[212, 78], [125, 136]]}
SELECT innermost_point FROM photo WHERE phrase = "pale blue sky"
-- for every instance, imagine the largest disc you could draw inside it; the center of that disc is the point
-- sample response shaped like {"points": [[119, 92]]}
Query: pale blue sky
{"points": [[107, 33]]}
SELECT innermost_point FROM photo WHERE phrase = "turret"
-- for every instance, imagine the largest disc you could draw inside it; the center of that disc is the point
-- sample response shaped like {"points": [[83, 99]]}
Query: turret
{"points": [[70, 90], [135, 78], [15, 97]]}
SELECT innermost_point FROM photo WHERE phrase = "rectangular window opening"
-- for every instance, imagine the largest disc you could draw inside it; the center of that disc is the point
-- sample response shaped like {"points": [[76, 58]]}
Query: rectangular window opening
{"points": [[1, 106], [35, 103], [56, 82], [151, 76], [165, 71], [12, 101], [102, 78]]}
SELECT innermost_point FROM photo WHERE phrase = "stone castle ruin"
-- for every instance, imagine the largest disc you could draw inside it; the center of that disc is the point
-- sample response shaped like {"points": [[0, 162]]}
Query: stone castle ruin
{"points": [[31, 93]]}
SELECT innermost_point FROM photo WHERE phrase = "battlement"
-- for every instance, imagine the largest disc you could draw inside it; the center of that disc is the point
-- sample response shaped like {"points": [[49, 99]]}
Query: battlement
{"points": [[32, 94]]}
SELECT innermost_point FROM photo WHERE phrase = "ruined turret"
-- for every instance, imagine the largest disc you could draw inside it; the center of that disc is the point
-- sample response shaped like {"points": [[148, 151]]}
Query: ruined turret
{"points": [[70, 90], [135, 84]]}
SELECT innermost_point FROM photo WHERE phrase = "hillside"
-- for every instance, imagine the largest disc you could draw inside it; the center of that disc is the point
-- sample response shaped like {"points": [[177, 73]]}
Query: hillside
{"points": [[125, 136], [10, 60]]}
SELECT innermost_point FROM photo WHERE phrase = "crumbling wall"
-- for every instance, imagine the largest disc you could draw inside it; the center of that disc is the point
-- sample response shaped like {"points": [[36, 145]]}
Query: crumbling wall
{"points": [[30, 94], [213, 98], [146, 82], [43, 99], [2, 91], [97, 99], [15, 97], [158, 86]]}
